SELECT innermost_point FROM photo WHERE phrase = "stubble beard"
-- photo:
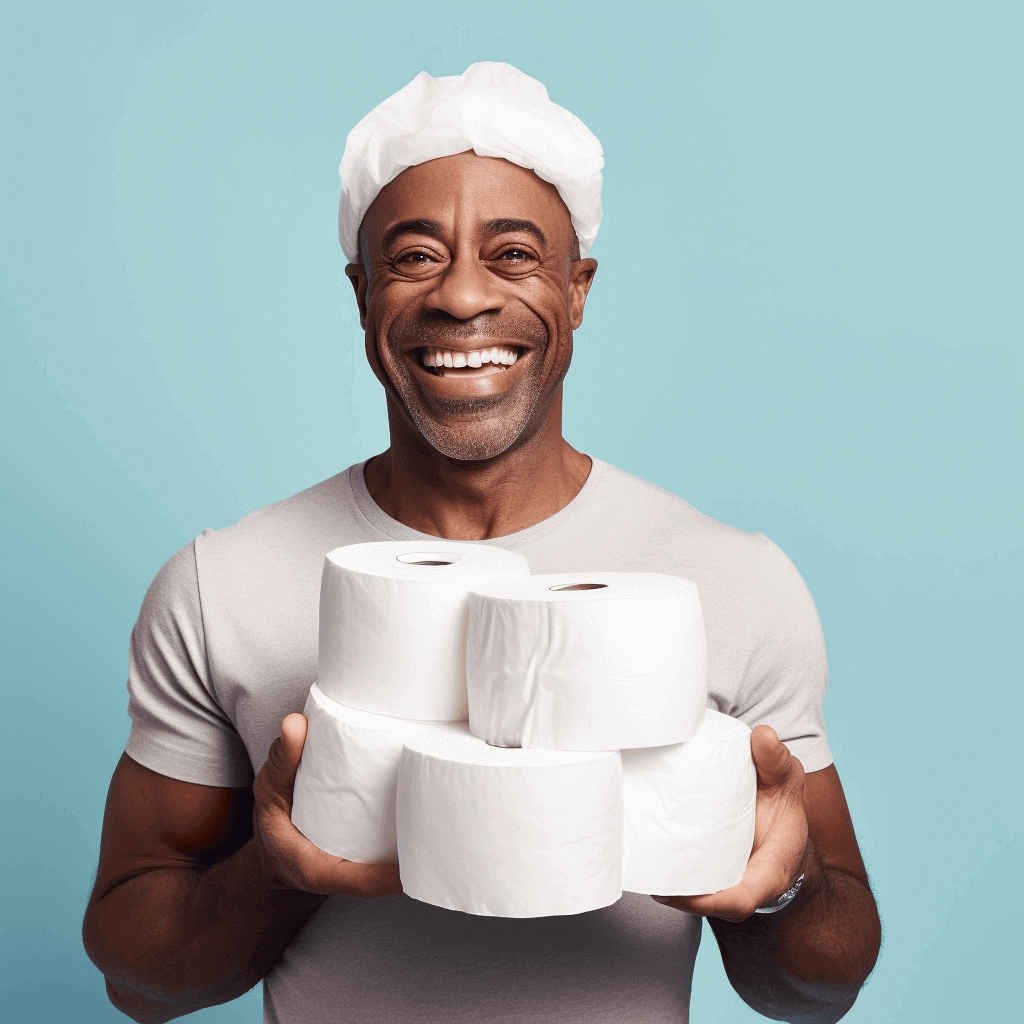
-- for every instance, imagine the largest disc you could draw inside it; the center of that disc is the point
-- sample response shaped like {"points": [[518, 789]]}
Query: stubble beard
{"points": [[471, 429]]}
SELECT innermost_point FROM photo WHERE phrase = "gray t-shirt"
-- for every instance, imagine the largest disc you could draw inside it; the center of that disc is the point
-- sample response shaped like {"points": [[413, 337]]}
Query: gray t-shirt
{"points": [[226, 645]]}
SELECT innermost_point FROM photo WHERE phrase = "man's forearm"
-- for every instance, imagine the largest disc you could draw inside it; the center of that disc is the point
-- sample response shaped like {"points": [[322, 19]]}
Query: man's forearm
{"points": [[806, 963], [176, 939]]}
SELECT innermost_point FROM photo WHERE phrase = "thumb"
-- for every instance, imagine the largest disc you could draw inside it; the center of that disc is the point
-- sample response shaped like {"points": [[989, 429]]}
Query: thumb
{"points": [[285, 754], [774, 763]]}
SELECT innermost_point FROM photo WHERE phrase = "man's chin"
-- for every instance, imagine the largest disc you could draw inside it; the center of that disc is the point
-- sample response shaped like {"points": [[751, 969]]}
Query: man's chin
{"points": [[467, 437], [461, 447]]}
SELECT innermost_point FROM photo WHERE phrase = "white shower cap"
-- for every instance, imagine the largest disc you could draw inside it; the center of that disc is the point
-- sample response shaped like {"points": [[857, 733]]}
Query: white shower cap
{"points": [[493, 109]]}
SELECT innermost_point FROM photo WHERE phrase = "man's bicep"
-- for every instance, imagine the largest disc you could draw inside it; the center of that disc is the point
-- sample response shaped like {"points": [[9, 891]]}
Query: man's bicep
{"points": [[153, 821], [829, 823]]}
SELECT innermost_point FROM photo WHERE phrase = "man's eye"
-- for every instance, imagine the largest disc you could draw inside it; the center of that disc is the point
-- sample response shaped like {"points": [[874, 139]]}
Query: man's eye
{"points": [[414, 257], [515, 254]]}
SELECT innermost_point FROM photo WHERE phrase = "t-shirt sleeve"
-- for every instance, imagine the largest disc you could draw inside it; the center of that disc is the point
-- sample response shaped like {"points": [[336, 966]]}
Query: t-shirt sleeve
{"points": [[178, 729], [784, 685]]}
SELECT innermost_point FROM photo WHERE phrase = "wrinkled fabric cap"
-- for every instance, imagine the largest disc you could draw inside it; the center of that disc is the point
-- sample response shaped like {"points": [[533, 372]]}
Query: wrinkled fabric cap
{"points": [[492, 109]]}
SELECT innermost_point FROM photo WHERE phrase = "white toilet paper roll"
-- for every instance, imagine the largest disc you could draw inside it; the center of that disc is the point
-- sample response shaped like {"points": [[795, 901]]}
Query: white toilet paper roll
{"points": [[586, 661], [344, 798], [689, 811], [393, 624], [508, 833]]}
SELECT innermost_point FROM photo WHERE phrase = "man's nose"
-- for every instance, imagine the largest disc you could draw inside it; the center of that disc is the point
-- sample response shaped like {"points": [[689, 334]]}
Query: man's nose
{"points": [[465, 290]]}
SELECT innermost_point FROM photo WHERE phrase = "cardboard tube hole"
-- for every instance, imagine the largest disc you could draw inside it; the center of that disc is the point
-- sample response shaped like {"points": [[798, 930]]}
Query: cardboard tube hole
{"points": [[426, 558], [581, 586]]}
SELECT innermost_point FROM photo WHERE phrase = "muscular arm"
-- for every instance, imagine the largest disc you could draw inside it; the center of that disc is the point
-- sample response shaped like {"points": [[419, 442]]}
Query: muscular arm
{"points": [[806, 963], [191, 906]]}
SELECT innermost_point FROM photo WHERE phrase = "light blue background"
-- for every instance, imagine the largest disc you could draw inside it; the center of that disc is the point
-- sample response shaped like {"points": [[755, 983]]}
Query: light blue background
{"points": [[807, 321]]}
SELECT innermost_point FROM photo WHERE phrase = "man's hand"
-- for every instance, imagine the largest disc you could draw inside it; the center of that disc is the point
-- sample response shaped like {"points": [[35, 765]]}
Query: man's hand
{"points": [[806, 963], [199, 888], [781, 851], [287, 856]]}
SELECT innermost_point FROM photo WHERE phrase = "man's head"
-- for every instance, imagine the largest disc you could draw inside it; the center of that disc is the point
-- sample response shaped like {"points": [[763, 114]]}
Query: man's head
{"points": [[468, 261], [467, 267]]}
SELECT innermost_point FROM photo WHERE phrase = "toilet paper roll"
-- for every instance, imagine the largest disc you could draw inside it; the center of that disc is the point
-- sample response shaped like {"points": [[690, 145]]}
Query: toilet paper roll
{"points": [[344, 799], [689, 811], [508, 833], [393, 624], [586, 661]]}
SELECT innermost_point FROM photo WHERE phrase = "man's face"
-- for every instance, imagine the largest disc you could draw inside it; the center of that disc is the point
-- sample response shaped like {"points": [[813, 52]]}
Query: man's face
{"points": [[469, 293]]}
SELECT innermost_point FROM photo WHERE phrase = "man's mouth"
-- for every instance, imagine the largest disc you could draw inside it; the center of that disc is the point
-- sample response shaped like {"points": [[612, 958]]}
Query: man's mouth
{"points": [[481, 362]]}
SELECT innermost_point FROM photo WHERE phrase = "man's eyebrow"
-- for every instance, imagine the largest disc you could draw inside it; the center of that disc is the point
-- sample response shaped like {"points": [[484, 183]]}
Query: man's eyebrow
{"points": [[505, 225], [410, 227]]}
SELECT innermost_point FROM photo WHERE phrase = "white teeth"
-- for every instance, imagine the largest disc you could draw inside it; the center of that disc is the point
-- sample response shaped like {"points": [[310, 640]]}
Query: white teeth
{"points": [[497, 355]]}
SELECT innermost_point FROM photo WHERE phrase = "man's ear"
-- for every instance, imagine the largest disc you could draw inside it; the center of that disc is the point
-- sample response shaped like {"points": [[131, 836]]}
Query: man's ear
{"points": [[357, 275], [581, 277]]}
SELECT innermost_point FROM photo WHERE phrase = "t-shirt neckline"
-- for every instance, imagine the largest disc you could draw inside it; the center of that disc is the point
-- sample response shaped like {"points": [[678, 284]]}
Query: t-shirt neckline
{"points": [[392, 529]]}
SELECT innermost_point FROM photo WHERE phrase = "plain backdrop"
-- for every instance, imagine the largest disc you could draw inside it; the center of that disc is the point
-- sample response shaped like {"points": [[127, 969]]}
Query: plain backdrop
{"points": [[807, 321]]}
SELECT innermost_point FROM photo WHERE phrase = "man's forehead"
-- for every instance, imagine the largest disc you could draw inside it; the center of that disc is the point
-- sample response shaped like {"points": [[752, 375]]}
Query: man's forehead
{"points": [[489, 193]]}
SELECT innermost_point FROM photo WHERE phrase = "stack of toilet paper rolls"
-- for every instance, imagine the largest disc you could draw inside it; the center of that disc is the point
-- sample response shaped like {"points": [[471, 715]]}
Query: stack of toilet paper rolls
{"points": [[588, 763]]}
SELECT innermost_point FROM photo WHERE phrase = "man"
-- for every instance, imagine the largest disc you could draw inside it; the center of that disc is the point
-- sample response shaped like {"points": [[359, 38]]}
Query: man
{"points": [[468, 206]]}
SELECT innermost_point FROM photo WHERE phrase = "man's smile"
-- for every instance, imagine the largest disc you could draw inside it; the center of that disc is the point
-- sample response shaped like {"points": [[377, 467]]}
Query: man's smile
{"points": [[484, 371], [479, 362]]}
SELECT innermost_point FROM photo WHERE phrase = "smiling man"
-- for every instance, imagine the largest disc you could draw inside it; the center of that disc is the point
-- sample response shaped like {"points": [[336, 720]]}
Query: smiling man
{"points": [[468, 207]]}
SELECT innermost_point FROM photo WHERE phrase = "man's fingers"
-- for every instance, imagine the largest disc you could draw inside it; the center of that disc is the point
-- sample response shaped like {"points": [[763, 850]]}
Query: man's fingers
{"points": [[335, 876], [289, 744], [289, 856], [277, 776], [774, 763], [306, 866], [300, 864], [759, 884], [780, 836], [769, 872], [714, 905]]}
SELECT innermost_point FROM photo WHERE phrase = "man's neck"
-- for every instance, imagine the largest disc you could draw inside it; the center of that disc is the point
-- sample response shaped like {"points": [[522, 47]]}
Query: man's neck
{"points": [[425, 490]]}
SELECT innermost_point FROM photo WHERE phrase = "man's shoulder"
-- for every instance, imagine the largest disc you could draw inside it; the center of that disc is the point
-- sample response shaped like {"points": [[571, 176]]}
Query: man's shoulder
{"points": [[633, 525], [296, 510], [310, 518], [656, 512], [279, 549]]}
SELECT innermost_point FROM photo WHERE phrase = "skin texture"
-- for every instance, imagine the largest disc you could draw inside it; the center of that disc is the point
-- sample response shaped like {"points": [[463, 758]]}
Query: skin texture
{"points": [[200, 889]]}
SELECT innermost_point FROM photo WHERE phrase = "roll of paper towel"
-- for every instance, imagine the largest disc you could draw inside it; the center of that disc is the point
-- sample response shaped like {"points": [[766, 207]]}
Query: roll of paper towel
{"points": [[689, 811], [344, 798], [393, 624], [508, 833], [586, 661]]}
